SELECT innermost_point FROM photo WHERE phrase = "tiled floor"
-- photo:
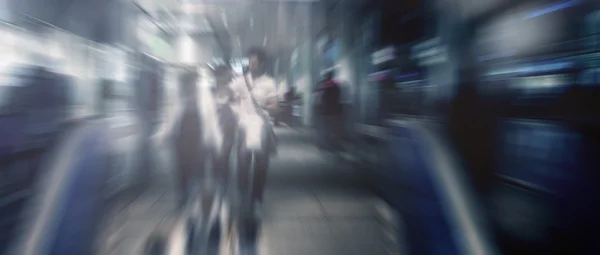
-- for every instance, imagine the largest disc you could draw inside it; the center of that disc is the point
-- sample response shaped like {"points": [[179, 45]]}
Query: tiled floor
{"points": [[318, 205], [131, 221], [315, 204]]}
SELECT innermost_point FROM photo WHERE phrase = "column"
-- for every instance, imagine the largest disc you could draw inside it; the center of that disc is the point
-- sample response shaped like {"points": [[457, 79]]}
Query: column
{"points": [[310, 67]]}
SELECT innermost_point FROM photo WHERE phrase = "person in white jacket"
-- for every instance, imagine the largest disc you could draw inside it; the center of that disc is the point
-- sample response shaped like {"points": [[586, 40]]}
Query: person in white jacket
{"points": [[254, 85]]}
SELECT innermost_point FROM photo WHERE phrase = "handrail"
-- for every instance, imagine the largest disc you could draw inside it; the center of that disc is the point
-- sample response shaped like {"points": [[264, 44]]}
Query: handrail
{"points": [[466, 214], [43, 213], [470, 231]]}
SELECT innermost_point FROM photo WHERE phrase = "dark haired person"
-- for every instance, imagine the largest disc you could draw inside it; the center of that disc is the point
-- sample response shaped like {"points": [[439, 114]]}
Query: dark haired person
{"points": [[255, 94], [286, 107], [330, 112], [188, 135]]}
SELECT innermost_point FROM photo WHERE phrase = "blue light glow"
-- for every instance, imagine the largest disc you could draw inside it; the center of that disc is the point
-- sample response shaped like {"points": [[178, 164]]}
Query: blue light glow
{"points": [[550, 9], [406, 76]]}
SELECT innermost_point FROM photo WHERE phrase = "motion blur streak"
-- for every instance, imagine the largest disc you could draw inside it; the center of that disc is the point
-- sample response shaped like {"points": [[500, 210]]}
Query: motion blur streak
{"points": [[402, 127]]}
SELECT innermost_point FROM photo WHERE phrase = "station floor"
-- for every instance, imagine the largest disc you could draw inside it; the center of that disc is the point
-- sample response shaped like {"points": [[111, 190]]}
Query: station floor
{"points": [[315, 203]]}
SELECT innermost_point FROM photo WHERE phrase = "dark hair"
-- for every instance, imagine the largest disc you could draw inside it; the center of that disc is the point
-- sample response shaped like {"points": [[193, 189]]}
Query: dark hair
{"points": [[330, 74], [259, 52]]}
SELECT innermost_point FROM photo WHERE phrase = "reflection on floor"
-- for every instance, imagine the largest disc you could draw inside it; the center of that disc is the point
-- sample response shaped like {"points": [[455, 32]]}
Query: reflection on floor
{"points": [[315, 204]]}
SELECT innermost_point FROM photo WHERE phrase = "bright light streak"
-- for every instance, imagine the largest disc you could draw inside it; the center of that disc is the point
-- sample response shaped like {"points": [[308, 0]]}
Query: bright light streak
{"points": [[190, 8], [550, 9], [224, 18], [187, 50], [55, 50], [9, 41], [121, 72]]}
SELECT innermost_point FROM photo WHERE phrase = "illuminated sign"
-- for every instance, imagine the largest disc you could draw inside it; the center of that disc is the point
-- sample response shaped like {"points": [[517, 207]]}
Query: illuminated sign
{"points": [[405, 76], [379, 76], [426, 44], [383, 55], [532, 69], [429, 52]]}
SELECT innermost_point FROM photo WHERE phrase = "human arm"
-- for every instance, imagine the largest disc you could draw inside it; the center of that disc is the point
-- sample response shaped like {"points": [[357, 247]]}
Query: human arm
{"points": [[271, 96]]}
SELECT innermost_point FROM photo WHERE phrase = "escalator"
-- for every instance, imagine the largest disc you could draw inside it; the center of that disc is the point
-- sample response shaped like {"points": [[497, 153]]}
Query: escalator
{"points": [[33, 128], [66, 206], [415, 169], [27, 132]]}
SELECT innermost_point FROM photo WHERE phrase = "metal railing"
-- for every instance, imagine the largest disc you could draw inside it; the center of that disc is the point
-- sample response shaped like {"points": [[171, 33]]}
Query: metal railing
{"points": [[468, 227], [58, 204]]}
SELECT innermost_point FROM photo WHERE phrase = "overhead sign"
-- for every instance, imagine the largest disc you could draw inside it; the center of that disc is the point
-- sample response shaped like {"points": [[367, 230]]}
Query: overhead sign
{"points": [[529, 69], [383, 55], [430, 52]]}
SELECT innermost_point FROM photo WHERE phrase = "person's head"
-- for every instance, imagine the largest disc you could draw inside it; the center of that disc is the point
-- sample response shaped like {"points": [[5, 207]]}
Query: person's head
{"points": [[330, 75], [187, 83], [257, 59], [223, 75]]}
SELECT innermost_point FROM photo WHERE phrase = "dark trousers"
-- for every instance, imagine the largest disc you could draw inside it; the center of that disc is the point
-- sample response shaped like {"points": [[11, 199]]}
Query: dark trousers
{"points": [[221, 166], [189, 154], [331, 130], [258, 179], [189, 171], [252, 170]]}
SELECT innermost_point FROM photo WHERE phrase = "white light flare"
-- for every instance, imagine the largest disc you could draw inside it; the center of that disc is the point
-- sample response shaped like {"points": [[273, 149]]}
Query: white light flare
{"points": [[187, 50]]}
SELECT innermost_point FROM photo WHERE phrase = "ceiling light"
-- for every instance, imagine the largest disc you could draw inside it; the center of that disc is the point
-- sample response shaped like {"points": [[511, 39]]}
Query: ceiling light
{"points": [[190, 8]]}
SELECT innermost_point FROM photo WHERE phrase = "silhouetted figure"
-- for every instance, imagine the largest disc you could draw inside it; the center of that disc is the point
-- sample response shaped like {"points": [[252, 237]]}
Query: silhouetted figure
{"points": [[188, 138], [330, 111], [288, 105], [472, 129], [256, 95]]}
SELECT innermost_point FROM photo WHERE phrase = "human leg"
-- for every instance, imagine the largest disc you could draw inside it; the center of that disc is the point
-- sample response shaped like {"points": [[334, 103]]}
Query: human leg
{"points": [[244, 158], [221, 162], [261, 165], [183, 184]]}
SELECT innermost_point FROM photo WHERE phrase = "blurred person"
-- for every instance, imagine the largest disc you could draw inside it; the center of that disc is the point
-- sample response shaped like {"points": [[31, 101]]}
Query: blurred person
{"points": [[227, 122], [285, 112], [255, 94], [188, 136], [472, 128], [148, 100], [330, 112]]}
